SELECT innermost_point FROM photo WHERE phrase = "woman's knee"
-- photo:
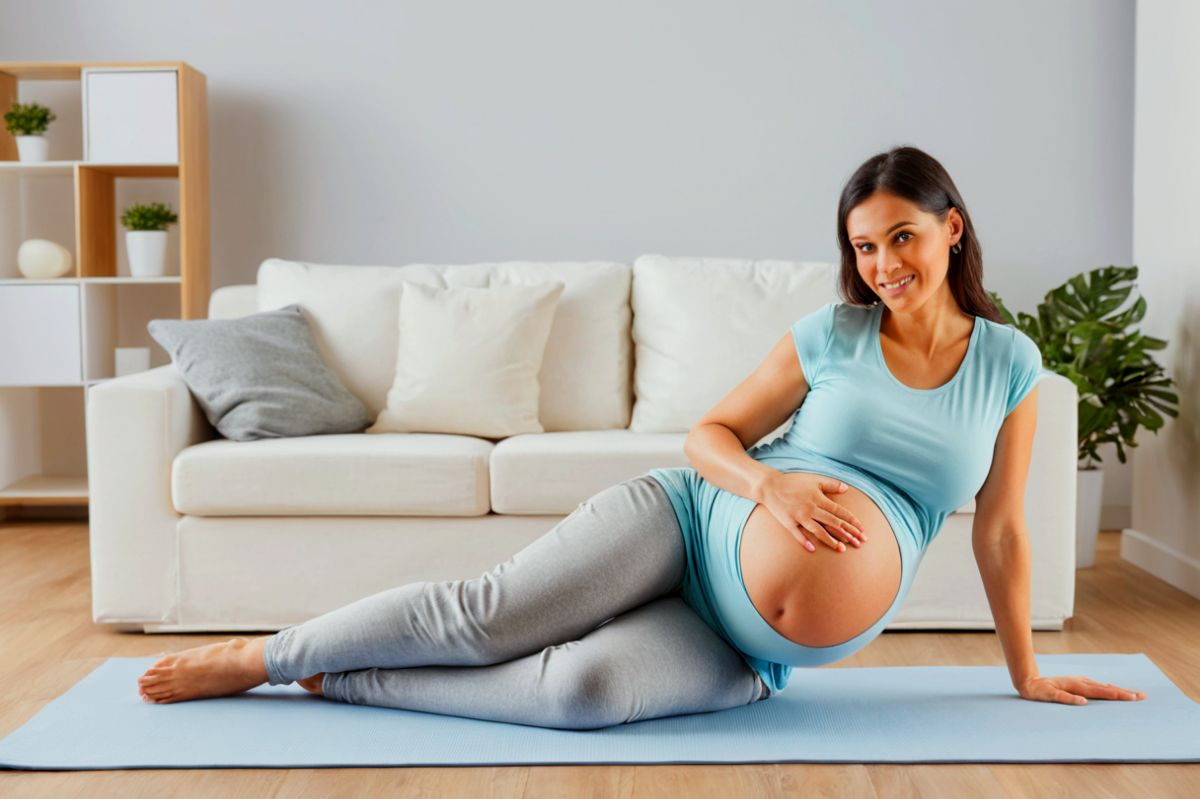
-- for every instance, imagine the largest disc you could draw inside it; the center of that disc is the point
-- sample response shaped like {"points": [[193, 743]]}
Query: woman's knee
{"points": [[589, 694]]}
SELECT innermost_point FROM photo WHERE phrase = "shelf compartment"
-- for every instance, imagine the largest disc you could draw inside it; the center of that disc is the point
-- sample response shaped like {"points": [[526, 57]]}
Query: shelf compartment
{"points": [[116, 315], [44, 489], [102, 194], [36, 204], [41, 461], [63, 96], [45, 319]]}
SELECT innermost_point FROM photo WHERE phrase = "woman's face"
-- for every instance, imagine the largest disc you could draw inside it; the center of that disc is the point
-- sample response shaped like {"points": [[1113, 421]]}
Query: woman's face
{"points": [[894, 239]]}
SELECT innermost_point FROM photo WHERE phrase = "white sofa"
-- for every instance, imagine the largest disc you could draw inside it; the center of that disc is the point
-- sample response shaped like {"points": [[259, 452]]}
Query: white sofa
{"points": [[194, 532]]}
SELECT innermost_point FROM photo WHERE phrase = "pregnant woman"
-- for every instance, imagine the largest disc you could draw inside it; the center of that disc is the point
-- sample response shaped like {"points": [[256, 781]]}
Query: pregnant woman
{"points": [[688, 590]]}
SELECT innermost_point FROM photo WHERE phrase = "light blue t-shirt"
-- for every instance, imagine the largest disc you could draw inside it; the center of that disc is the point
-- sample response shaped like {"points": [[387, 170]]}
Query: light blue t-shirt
{"points": [[920, 454]]}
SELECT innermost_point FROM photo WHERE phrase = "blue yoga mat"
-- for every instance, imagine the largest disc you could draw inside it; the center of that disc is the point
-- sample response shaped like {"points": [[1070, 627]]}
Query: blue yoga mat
{"points": [[911, 714]]}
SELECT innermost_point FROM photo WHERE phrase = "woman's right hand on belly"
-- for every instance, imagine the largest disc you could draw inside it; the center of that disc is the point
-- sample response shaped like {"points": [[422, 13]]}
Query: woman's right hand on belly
{"points": [[800, 502]]}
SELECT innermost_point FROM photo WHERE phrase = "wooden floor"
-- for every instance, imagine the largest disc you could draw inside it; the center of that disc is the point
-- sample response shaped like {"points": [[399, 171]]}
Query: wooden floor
{"points": [[48, 643]]}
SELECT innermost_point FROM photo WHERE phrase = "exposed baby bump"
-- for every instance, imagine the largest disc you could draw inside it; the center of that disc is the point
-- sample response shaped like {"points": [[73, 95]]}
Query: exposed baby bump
{"points": [[825, 597]]}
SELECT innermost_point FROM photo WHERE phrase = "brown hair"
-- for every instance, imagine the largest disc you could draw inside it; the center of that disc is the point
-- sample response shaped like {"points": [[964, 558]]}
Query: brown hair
{"points": [[916, 176]]}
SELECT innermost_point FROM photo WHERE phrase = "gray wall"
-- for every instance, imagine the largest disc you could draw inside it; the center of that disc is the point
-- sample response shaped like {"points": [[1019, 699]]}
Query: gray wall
{"points": [[460, 131], [450, 132]]}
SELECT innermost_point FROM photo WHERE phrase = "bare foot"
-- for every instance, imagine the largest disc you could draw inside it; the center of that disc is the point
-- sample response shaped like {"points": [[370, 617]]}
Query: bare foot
{"points": [[312, 683], [223, 669]]}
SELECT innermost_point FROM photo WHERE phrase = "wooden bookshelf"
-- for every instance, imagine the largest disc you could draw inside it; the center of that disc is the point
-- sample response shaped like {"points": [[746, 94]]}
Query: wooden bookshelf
{"points": [[42, 436]]}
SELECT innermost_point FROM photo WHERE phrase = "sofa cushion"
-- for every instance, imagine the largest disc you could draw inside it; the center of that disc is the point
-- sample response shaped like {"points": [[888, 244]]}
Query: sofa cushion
{"points": [[554, 472], [551, 473], [587, 367], [469, 360], [395, 474], [702, 325]]}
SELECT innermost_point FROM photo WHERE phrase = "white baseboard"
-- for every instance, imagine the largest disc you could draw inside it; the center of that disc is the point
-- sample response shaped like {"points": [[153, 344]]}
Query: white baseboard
{"points": [[1164, 562]]}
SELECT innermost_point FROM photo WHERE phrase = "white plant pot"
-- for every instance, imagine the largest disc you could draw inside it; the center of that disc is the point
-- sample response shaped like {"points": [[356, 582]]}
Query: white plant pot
{"points": [[1088, 495], [147, 251], [32, 149]]}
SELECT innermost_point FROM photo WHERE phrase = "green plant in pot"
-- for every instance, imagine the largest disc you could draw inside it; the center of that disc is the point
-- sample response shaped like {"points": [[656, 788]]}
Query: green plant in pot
{"points": [[146, 237], [1087, 335], [27, 122]]}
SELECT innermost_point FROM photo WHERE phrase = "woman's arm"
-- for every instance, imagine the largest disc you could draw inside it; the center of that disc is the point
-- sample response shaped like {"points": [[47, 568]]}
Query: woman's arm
{"points": [[1001, 543], [716, 446], [999, 538], [718, 456]]}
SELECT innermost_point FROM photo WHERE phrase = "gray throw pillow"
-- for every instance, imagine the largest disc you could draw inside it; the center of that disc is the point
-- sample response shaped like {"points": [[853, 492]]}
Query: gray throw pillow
{"points": [[260, 376]]}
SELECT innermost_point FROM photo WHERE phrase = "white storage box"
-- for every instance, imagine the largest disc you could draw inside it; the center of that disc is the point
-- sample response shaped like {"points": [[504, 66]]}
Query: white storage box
{"points": [[130, 116]]}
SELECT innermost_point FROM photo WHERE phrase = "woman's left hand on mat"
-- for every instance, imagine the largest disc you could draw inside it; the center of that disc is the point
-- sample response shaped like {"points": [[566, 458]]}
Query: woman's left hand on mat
{"points": [[1073, 690]]}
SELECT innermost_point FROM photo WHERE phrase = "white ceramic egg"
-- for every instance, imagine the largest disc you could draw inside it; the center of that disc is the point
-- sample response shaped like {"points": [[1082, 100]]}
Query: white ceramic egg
{"points": [[42, 259]]}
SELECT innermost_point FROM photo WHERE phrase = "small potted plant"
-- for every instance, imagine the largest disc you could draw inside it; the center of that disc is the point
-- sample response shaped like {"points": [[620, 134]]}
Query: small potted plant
{"points": [[27, 123], [1084, 337], [146, 238]]}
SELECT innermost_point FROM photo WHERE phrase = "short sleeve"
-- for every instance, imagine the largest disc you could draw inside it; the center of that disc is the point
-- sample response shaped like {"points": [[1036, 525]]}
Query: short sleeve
{"points": [[1025, 369], [811, 334]]}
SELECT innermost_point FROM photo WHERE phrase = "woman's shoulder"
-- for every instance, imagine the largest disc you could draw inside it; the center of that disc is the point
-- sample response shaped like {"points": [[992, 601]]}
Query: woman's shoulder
{"points": [[1009, 346], [836, 317], [1011, 335], [847, 317]]}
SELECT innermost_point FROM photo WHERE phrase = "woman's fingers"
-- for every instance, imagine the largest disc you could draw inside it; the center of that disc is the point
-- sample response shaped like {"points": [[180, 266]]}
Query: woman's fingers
{"points": [[1106, 690], [817, 531], [839, 528], [1068, 698], [844, 515], [800, 533]]}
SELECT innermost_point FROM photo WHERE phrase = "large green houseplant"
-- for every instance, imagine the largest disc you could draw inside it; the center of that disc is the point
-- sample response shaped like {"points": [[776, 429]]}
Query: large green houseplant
{"points": [[1087, 335]]}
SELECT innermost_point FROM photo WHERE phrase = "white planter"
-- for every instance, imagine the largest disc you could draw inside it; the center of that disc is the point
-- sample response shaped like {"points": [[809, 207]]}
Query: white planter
{"points": [[1088, 495], [147, 251], [32, 149]]}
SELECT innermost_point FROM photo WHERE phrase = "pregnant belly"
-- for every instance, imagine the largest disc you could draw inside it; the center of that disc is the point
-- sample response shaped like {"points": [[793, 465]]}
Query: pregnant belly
{"points": [[821, 598]]}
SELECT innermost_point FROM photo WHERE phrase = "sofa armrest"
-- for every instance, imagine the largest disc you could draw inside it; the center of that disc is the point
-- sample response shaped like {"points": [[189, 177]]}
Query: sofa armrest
{"points": [[136, 425], [1050, 498]]}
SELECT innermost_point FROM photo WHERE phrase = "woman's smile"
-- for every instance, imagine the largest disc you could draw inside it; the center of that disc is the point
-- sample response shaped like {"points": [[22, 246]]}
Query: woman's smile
{"points": [[896, 288]]}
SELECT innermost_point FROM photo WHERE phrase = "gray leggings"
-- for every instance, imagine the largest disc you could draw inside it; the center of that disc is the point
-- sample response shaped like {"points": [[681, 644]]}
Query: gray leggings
{"points": [[583, 628]]}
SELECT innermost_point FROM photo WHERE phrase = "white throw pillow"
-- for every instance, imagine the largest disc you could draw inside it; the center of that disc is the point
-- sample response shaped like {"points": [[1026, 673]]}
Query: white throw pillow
{"points": [[468, 360], [702, 325]]}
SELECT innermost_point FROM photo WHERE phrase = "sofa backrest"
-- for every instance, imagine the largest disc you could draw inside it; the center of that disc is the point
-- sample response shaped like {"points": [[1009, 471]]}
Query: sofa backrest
{"points": [[587, 369], [701, 326], [696, 327]]}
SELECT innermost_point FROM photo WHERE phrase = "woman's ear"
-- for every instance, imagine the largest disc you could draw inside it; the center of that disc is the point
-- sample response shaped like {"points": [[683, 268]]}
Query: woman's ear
{"points": [[956, 224]]}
